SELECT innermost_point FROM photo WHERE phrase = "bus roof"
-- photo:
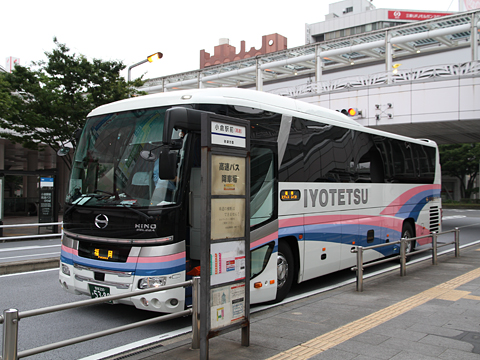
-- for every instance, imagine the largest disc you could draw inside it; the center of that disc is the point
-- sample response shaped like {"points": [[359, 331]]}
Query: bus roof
{"points": [[225, 96], [246, 98]]}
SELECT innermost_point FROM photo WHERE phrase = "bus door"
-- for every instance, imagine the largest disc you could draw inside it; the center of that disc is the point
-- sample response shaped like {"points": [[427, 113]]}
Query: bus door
{"points": [[195, 203], [351, 237], [323, 236]]}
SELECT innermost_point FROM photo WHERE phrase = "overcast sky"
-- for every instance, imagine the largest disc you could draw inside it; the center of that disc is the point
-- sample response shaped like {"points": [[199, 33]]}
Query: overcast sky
{"points": [[131, 30]]}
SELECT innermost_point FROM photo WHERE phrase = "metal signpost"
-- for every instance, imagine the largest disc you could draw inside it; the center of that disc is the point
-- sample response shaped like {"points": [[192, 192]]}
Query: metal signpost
{"points": [[225, 229], [46, 200], [1, 203]]}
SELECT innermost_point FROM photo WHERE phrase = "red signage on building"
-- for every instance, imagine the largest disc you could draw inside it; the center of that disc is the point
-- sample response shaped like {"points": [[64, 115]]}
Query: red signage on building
{"points": [[413, 15]]}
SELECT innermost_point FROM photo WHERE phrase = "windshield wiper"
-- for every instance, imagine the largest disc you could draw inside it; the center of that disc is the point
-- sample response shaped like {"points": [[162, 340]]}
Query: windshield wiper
{"points": [[148, 217], [115, 194]]}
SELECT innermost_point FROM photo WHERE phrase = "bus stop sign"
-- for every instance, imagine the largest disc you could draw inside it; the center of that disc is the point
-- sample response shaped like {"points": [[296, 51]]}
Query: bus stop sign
{"points": [[225, 228]]}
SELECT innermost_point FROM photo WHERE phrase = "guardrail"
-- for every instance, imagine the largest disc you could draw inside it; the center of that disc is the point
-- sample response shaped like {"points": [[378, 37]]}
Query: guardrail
{"points": [[32, 236], [359, 250], [11, 318]]}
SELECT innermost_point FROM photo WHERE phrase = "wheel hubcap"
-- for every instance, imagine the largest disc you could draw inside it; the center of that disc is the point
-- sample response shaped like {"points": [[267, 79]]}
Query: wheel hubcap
{"points": [[282, 270], [408, 247]]}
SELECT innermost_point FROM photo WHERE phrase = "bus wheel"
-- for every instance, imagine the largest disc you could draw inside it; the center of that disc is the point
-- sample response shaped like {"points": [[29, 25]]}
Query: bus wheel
{"points": [[284, 271], [407, 233]]}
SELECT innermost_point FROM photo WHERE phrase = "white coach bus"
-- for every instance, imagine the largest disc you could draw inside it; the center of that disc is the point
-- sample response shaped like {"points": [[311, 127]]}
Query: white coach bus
{"points": [[320, 185]]}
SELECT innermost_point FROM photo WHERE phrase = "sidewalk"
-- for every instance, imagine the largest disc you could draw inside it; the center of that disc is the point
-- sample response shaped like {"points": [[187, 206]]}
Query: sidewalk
{"points": [[432, 313]]}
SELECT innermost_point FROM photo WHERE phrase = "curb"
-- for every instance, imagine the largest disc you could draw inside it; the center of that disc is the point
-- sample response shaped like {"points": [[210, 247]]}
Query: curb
{"points": [[28, 265]]}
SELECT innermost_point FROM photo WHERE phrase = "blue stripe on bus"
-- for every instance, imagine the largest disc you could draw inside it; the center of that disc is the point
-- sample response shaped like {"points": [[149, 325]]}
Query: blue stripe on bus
{"points": [[141, 269], [412, 208]]}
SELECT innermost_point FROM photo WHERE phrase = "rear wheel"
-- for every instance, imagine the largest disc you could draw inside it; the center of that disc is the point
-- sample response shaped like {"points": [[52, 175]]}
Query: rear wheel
{"points": [[285, 268]]}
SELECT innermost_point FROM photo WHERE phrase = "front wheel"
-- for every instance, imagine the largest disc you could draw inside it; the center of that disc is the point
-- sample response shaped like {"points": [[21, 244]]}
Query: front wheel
{"points": [[285, 271], [407, 233]]}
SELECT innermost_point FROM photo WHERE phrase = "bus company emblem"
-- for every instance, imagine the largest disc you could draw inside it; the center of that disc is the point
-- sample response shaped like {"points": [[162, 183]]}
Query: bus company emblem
{"points": [[101, 221]]}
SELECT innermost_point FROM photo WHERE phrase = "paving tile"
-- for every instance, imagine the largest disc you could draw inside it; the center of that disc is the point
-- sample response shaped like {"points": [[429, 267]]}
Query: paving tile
{"points": [[334, 354], [415, 347], [447, 343], [450, 354], [377, 351]]}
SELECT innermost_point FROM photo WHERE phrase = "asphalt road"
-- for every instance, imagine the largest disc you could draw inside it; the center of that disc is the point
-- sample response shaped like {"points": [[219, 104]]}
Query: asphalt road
{"points": [[38, 289]]}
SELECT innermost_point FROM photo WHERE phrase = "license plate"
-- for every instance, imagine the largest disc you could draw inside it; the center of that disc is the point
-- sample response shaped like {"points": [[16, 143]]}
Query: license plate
{"points": [[97, 291]]}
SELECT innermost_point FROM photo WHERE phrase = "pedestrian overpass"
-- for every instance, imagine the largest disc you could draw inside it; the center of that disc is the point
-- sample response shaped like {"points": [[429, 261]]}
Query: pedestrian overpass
{"points": [[440, 103], [419, 79]]}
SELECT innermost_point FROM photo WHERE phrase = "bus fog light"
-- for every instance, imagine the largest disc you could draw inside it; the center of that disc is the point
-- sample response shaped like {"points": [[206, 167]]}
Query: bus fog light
{"points": [[174, 302], [150, 282], [65, 270], [144, 301]]}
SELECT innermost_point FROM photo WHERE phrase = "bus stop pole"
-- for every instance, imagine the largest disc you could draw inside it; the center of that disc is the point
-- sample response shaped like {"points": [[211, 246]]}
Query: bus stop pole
{"points": [[457, 242], [10, 334], [403, 260], [2, 182], [360, 268], [196, 313]]}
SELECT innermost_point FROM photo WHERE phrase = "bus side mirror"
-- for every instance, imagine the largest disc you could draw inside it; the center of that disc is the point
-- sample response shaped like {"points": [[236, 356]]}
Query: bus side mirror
{"points": [[180, 118], [167, 164]]}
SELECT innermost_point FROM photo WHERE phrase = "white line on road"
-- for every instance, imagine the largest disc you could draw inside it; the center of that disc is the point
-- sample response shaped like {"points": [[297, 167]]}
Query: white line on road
{"points": [[29, 247], [22, 256], [29, 272]]}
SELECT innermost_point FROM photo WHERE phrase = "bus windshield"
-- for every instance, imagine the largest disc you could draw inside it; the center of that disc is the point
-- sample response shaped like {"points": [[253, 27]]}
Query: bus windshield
{"points": [[108, 169]]}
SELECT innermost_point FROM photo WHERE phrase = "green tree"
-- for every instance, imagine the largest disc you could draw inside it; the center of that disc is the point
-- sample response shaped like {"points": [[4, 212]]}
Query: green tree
{"points": [[42, 105], [462, 162]]}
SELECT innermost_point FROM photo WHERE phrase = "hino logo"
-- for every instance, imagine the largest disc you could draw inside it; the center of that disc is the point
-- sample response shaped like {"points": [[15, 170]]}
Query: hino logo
{"points": [[145, 227], [101, 221]]}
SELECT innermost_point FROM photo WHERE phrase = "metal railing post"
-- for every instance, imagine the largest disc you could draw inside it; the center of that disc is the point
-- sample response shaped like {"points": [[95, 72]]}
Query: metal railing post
{"points": [[434, 248], [10, 334], [196, 313], [403, 260], [457, 242], [359, 268]]}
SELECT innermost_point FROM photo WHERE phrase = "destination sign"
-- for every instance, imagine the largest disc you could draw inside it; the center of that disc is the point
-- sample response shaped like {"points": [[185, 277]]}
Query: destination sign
{"points": [[229, 135], [290, 195]]}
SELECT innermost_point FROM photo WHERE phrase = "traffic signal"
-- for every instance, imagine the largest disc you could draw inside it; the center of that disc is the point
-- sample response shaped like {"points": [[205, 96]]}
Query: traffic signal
{"points": [[350, 112]]}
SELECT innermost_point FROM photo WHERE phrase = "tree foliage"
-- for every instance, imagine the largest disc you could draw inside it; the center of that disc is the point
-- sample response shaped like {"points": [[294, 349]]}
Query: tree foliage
{"points": [[44, 104], [461, 161]]}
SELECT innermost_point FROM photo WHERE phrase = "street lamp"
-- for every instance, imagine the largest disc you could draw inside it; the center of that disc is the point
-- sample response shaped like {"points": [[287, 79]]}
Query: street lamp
{"points": [[153, 57]]}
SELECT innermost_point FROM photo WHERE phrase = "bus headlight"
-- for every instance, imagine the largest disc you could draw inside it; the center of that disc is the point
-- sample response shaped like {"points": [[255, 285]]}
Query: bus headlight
{"points": [[150, 282], [65, 270]]}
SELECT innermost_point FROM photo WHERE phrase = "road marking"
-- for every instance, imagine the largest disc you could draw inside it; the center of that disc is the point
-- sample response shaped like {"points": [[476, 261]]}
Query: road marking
{"points": [[453, 217], [29, 247], [28, 272], [22, 256], [333, 338]]}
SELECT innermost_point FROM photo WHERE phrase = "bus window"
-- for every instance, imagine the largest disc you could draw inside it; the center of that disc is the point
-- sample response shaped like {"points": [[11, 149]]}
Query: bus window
{"points": [[262, 185], [259, 259]]}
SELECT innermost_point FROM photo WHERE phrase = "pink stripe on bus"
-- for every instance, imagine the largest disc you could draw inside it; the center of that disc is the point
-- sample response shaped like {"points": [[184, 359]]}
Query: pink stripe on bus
{"points": [[264, 240], [297, 221], [156, 259], [400, 201], [69, 250]]}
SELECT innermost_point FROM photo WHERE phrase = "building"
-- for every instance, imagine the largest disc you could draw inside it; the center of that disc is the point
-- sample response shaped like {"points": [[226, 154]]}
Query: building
{"points": [[354, 17]]}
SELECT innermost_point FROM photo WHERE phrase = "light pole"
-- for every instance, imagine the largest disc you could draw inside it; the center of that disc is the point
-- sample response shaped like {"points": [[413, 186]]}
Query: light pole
{"points": [[153, 57]]}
